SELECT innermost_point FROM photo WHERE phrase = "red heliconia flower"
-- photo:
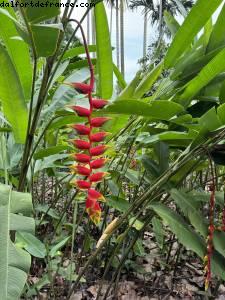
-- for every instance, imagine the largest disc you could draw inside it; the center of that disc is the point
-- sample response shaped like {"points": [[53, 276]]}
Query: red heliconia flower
{"points": [[81, 88], [98, 163], [81, 111], [82, 158], [82, 184], [93, 194], [99, 136], [99, 103], [81, 129], [94, 210], [81, 144], [98, 150], [81, 170], [96, 177], [99, 121]]}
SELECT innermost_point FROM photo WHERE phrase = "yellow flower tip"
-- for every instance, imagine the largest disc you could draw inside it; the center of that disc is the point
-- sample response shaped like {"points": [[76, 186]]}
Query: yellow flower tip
{"points": [[206, 285], [102, 199], [205, 259], [67, 83]]}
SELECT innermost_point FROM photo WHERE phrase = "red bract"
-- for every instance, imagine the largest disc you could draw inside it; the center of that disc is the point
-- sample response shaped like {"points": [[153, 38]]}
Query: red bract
{"points": [[98, 163], [82, 184], [81, 88], [81, 111], [86, 163], [99, 121], [81, 144], [96, 177], [80, 157], [93, 194], [81, 129], [81, 170], [94, 210], [98, 150], [98, 137], [99, 103]]}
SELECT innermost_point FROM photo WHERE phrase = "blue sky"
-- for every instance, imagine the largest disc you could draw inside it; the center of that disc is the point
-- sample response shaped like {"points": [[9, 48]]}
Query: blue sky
{"points": [[133, 37]]}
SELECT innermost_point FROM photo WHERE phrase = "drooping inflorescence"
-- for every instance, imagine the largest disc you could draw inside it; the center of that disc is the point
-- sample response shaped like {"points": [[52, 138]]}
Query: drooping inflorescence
{"points": [[89, 155]]}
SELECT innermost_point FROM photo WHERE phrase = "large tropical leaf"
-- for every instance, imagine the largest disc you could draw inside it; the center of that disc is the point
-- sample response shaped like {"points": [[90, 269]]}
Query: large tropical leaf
{"points": [[104, 52], [12, 97], [14, 262], [209, 72], [189, 207], [180, 228], [39, 12], [148, 81], [163, 110], [189, 29], [217, 38], [17, 50]]}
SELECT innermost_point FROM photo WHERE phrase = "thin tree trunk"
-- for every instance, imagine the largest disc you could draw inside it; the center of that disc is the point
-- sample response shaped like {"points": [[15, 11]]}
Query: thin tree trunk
{"points": [[145, 33], [160, 21], [117, 36], [122, 37]]}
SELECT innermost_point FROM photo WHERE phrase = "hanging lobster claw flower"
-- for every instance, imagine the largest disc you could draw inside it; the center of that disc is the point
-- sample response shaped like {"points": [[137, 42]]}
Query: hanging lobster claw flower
{"points": [[99, 121], [81, 111], [81, 88], [93, 194], [96, 177], [94, 210], [98, 150], [82, 158], [81, 170], [98, 163], [81, 144], [99, 103], [82, 184], [99, 136], [81, 129]]}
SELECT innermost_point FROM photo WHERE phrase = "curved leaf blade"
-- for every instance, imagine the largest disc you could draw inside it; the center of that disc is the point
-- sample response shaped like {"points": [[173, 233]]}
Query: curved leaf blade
{"points": [[104, 52]]}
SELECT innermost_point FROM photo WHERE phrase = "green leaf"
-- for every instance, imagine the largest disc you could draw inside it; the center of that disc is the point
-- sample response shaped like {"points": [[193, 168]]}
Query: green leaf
{"points": [[119, 204], [210, 120], [45, 38], [180, 228], [17, 50], [190, 209], [221, 113], [148, 81], [41, 11], [77, 51], [207, 73], [64, 121], [50, 151], [158, 231], [171, 23], [189, 29], [160, 109], [217, 38], [29, 242], [219, 242], [122, 83], [104, 52], [58, 246], [14, 262], [128, 91], [12, 97]]}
